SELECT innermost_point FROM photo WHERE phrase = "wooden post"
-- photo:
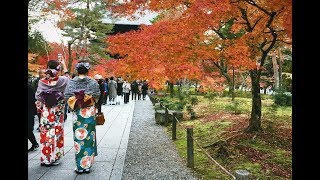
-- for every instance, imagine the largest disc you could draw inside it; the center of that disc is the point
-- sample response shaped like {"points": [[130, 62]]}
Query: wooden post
{"points": [[166, 115], [242, 175], [174, 128], [190, 157]]}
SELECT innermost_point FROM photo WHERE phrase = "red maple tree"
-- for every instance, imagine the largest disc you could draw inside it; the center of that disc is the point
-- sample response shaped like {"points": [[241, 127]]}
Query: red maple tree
{"points": [[180, 37]]}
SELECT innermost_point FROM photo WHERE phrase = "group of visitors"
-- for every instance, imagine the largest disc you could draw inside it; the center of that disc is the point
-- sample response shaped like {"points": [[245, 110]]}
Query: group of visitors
{"points": [[54, 91], [114, 89]]}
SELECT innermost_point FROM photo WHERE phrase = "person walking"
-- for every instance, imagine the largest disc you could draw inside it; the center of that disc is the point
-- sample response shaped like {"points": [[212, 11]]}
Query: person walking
{"points": [[119, 90], [106, 91], [41, 74], [31, 112], [144, 89], [134, 89], [126, 89], [139, 89], [99, 79], [50, 103], [112, 85], [82, 93]]}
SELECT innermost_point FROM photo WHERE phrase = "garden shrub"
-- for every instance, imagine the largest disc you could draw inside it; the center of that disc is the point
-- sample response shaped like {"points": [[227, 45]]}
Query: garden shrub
{"points": [[283, 98], [194, 101], [234, 107]]}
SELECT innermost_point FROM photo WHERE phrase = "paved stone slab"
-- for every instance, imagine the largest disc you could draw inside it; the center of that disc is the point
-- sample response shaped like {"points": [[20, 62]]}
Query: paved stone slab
{"points": [[100, 171], [106, 154], [35, 171]]}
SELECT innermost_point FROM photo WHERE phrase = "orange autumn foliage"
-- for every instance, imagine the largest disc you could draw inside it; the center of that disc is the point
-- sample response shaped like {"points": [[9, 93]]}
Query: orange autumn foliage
{"points": [[173, 48], [32, 66]]}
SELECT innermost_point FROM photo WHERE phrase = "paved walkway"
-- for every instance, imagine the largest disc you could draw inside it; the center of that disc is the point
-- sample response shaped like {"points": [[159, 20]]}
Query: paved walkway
{"points": [[112, 145], [151, 154]]}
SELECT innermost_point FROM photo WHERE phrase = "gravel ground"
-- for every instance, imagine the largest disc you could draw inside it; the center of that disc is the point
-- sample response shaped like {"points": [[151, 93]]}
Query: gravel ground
{"points": [[151, 154]]}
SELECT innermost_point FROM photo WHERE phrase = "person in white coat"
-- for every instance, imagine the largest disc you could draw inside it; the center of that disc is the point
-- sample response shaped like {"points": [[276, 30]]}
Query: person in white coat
{"points": [[126, 90]]}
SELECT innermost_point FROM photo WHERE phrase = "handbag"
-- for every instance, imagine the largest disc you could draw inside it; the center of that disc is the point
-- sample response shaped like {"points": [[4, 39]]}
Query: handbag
{"points": [[100, 118]]}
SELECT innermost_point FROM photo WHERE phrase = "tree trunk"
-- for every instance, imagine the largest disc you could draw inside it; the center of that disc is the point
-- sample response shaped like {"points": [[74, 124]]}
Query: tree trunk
{"points": [[280, 61], [233, 95], [230, 84], [171, 88], [275, 70], [70, 58], [255, 119], [224, 72]]}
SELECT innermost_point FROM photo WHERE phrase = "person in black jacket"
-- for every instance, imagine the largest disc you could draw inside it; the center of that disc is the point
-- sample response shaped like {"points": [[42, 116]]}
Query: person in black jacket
{"points": [[134, 89], [31, 112], [144, 89], [119, 89], [100, 81], [34, 84]]}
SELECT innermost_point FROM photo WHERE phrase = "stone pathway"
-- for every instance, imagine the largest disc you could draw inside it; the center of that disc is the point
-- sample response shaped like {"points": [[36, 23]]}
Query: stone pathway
{"points": [[151, 154]]}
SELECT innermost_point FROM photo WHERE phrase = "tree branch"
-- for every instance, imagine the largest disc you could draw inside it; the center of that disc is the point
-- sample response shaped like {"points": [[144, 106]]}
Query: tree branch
{"points": [[256, 22], [257, 6], [280, 40], [245, 17]]}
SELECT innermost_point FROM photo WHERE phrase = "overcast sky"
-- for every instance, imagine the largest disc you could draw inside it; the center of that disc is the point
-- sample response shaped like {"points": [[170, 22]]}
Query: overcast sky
{"points": [[53, 34]]}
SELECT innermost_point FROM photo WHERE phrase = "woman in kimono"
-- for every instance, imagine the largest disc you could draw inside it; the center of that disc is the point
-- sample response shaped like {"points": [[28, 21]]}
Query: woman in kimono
{"points": [[50, 103], [82, 93]]}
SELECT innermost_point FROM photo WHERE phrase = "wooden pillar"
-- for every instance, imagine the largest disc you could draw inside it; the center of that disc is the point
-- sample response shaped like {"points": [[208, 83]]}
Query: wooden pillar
{"points": [[190, 155]]}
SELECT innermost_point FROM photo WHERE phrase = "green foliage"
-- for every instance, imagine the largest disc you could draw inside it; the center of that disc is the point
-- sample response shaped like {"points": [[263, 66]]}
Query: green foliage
{"points": [[155, 19], [208, 132], [194, 101], [204, 133], [243, 94], [36, 43], [172, 103], [226, 30], [283, 98], [287, 82], [88, 30], [211, 96], [234, 107], [189, 108]]}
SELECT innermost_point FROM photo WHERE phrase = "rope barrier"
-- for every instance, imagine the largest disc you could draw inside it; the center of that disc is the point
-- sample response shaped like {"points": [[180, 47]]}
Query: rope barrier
{"points": [[198, 144]]}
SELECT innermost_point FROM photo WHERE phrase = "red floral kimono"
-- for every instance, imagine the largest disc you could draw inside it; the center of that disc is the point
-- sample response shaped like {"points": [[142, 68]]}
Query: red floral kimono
{"points": [[52, 119], [51, 132]]}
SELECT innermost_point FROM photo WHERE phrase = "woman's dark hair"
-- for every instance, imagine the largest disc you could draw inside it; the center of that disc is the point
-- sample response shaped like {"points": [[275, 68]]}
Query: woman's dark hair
{"points": [[53, 64], [82, 69], [100, 81], [111, 78]]}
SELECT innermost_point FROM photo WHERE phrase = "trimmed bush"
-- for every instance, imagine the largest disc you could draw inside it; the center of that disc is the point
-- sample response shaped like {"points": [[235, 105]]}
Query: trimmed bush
{"points": [[283, 98], [234, 107]]}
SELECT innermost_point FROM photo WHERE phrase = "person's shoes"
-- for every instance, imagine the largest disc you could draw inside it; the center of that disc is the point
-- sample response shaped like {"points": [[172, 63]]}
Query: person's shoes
{"points": [[45, 164], [78, 171], [33, 148], [87, 171], [55, 163]]}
